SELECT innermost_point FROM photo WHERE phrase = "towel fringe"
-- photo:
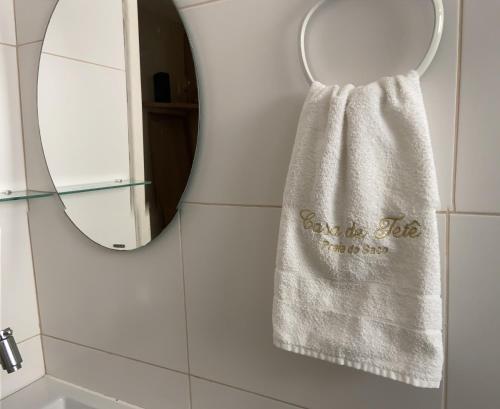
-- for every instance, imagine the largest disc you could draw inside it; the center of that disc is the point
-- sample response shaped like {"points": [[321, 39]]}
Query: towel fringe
{"points": [[384, 372]]}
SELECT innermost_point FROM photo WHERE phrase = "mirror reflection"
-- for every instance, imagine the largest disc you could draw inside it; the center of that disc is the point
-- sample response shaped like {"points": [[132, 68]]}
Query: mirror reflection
{"points": [[118, 112]]}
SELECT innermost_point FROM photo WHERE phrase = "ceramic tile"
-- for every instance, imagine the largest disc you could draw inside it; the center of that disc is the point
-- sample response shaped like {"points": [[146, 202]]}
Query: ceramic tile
{"points": [[70, 141], [36, 169], [251, 92], [11, 140], [439, 87], [18, 303], [33, 368], [209, 395], [130, 381], [88, 30], [229, 255], [252, 95], [474, 322], [108, 300], [31, 19], [7, 22], [441, 221], [479, 146]]}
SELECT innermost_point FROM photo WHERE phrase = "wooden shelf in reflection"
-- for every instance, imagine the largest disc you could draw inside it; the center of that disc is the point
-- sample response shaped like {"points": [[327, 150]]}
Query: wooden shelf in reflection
{"points": [[170, 133]]}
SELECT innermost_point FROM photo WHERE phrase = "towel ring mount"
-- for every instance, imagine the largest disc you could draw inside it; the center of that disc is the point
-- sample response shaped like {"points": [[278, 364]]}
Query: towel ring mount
{"points": [[421, 69]]}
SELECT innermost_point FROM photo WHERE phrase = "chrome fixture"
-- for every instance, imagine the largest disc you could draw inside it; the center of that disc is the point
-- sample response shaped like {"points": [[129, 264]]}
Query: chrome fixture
{"points": [[10, 356]]}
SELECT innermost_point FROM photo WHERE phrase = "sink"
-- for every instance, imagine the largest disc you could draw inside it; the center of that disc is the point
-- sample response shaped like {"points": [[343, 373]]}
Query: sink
{"points": [[52, 393]]}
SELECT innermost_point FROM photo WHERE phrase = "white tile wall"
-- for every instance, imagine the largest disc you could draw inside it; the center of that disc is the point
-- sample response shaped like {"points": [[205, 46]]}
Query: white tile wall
{"points": [[131, 305], [473, 359], [473, 369], [36, 171], [11, 140], [75, 34], [209, 395], [18, 303], [130, 381], [478, 181], [33, 368], [31, 18], [7, 23], [18, 295], [439, 86], [99, 133], [252, 90]]}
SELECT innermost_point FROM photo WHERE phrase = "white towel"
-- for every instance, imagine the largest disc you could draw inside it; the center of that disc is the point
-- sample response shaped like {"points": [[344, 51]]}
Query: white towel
{"points": [[358, 273]]}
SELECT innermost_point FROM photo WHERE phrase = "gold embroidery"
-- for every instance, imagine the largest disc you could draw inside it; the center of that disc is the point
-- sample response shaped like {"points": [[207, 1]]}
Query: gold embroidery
{"points": [[355, 232], [388, 227], [336, 248], [310, 223], [354, 249], [375, 250]]}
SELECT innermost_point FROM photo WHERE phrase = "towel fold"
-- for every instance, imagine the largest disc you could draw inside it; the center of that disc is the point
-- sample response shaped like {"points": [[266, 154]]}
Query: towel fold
{"points": [[357, 278]]}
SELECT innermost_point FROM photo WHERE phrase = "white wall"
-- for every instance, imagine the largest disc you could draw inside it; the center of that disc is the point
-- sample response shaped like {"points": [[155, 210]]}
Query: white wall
{"points": [[18, 302], [190, 314]]}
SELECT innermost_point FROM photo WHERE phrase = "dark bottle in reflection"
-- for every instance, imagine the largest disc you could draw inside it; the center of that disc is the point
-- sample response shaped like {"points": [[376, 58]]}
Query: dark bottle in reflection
{"points": [[162, 87]]}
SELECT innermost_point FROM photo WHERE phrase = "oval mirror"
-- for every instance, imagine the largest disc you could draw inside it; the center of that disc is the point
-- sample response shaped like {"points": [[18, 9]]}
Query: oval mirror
{"points": [[118, 112]]}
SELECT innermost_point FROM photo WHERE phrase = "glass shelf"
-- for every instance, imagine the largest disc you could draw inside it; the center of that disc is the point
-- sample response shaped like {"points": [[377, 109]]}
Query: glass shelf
{"points": [[9, 196], [93, 187]]}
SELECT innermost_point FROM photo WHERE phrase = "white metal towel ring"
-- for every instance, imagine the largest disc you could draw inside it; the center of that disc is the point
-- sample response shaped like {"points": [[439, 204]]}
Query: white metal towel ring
{"points": [[426, 62]]}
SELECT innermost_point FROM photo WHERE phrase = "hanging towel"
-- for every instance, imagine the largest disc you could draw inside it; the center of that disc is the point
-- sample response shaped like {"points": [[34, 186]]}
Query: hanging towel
{"points": [[357, 279]]}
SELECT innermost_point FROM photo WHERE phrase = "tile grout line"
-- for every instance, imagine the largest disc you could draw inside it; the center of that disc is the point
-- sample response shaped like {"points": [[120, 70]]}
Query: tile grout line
{"points": [[83, 61], [23, 140], [8, 45], [21, 389], [169, 369], [446, 310], [472, 213], [29, 43], [36, 290], [185, 310], [38, 334], [231, 204], [201, 3], [457, 102], [15, 19], [263, 206], [247, 391], [114, 354], [454, 201]]}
